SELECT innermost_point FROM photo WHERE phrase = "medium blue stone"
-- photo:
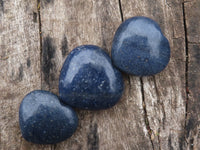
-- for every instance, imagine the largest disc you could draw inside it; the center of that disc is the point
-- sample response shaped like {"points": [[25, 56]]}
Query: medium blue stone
{"points": [[44, 120], [140, 48], [88, 80]]}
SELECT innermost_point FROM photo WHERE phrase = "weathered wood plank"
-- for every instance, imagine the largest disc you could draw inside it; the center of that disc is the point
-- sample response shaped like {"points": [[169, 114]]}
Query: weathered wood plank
{"points": [[152, 111], [91, 22], [164, 94], [192, 17], [19, 63]]}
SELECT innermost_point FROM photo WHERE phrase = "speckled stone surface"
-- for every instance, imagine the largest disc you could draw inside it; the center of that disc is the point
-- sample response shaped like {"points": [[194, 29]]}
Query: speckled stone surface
{"points": [[88, 80], [139, 47], [44, 120]]}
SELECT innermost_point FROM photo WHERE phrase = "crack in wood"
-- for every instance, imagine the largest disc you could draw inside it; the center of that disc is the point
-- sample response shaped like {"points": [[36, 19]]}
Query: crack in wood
{"points": [[186, 66], [163, 110], [53, 147], [122, 19], [40, 32], [121, 11], [158, 134], [150, 131]]}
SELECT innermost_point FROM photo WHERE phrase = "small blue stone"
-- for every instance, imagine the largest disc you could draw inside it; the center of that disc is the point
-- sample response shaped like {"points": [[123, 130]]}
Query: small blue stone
{"points": [[88, 80], [140, 48], [44, 120]]}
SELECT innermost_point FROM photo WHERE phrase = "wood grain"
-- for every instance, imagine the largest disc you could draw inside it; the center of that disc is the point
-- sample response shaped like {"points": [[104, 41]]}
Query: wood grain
{"points": [[193, 50], [156, 112], [19, 63], [164, 94], [93, 23]]}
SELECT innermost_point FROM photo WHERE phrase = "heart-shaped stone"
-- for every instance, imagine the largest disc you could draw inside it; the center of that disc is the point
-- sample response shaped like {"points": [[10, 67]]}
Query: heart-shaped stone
{"points": [[44, 120], [140, 48], [88, 80]]}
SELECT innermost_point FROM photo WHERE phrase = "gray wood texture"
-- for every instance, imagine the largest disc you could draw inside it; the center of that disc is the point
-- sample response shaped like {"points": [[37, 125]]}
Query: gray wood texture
{"points": [[159, 112]]}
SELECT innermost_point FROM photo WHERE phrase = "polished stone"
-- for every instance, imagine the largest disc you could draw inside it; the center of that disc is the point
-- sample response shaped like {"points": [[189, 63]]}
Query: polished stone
{"points": [[140, 48], [44, 120], [88, 80]]}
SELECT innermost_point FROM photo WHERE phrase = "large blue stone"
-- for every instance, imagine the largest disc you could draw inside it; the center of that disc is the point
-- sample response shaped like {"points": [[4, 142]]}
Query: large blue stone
{"points": [[44, 120], [139, 47], [88, 80]]}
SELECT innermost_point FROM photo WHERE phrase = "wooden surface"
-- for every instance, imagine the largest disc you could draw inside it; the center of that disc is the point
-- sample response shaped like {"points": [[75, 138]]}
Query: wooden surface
{"points": [[157, 112]]}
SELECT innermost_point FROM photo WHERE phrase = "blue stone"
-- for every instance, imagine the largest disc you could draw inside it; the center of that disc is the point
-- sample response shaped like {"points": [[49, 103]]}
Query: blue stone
{"points": [[140, 48], [88, 80], [44, 120]]}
